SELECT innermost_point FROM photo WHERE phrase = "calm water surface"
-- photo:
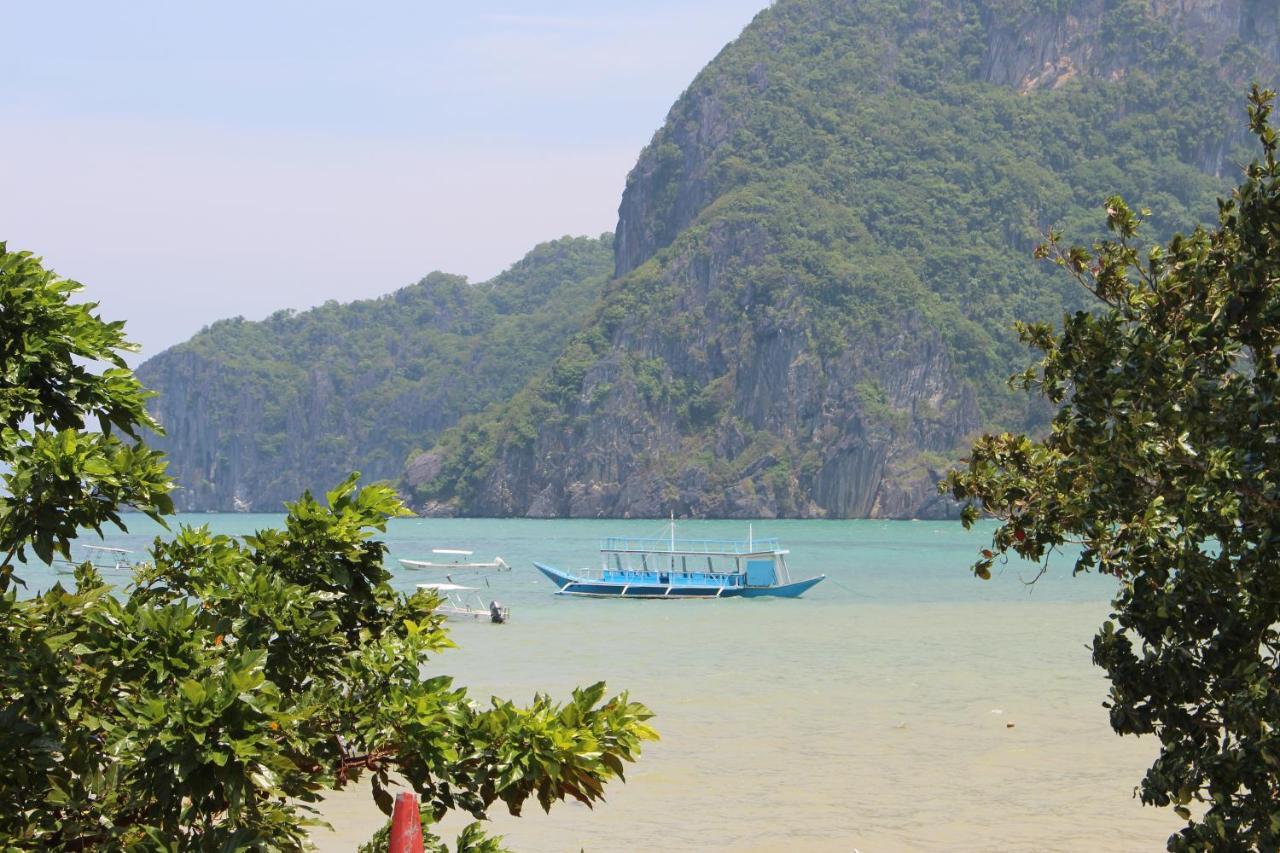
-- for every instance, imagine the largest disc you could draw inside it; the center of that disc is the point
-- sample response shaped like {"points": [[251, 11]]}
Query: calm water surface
{"points": [[872, 714]]}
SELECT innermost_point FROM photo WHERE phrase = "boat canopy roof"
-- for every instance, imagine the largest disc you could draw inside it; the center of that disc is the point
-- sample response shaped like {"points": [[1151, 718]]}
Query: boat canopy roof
{"points": [[451, 551], [443, 587], [105, 548], [688, 547]]}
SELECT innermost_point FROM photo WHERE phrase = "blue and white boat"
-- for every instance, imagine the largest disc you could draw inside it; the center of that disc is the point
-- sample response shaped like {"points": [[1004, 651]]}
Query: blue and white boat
{"points": [[668, 567]]}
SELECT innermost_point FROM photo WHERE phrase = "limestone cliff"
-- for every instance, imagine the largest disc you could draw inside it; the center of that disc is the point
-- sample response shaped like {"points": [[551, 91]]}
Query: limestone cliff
{"points": [[820, 256], [254, 413]]}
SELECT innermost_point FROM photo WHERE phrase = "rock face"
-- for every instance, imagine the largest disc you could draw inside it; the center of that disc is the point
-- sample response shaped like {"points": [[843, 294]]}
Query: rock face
{"points": [[254, 413], [820, 256], [1047, 49], [788, 432]]}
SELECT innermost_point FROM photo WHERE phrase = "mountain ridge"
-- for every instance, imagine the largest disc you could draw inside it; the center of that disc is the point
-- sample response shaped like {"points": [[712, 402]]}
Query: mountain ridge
{"points": [[794, 327], [806, 308], [256, 412]]}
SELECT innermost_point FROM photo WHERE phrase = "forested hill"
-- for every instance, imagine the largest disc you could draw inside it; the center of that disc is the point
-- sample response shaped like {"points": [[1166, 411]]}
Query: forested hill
{"points": [[820, 256], [254, 412]]}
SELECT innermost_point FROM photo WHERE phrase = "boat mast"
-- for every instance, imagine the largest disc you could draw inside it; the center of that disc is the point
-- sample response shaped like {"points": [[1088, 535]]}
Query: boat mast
{"points": [[672, 566]]}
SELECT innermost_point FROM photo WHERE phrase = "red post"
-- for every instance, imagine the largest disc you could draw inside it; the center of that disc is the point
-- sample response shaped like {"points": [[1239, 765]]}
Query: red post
{"points": [[406, 824]]}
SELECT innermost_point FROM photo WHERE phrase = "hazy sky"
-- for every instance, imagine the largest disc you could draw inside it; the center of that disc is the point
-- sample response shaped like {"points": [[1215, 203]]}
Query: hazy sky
{"points": [[190, 163]]}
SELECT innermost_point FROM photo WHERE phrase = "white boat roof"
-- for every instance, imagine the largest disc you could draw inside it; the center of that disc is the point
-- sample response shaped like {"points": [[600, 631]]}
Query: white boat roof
{"points": [[667, 546], [451, 551], [105, 548], [443, 587]]}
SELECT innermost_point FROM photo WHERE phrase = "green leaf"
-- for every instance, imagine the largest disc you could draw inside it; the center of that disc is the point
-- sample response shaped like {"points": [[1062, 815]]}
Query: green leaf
{"points": [[193, 690]]}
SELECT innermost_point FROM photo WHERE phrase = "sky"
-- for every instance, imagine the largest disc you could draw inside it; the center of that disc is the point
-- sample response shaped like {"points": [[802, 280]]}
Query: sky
{"points": [[188, 162]]}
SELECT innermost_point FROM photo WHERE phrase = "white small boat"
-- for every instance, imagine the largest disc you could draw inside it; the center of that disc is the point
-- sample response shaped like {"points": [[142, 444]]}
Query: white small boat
{"points": [[104, 557], [100, 556], [454, 560], [455, 607]]}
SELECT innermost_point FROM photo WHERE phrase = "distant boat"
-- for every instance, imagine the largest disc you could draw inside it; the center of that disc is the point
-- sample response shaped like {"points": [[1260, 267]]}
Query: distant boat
{"points": [[104, 557], [668, 568], [100, 556], [454, 606], [455, 561]]}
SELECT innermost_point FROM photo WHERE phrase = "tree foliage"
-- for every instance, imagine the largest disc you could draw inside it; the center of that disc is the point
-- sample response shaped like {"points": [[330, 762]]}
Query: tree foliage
{"points": [[211, 703], [59, 476], [1163, 464]]}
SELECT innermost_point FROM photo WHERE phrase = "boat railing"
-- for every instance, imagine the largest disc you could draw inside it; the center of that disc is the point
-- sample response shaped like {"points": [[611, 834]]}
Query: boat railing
{"points": [[707, 547], [662, 575]]}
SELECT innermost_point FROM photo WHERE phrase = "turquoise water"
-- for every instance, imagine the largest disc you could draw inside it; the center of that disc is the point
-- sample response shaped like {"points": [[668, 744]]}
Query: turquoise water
{"points": [[901, 705], [891, 562]]}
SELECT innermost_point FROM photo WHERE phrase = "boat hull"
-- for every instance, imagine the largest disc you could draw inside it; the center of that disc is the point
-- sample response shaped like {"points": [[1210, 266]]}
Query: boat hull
{"points": [[453, 611], [498, 564], [570, 584]]}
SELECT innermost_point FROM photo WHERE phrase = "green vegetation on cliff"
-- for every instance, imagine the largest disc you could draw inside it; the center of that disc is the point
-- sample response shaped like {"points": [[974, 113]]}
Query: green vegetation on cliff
{"points": [[822, 254], [256, 412]]}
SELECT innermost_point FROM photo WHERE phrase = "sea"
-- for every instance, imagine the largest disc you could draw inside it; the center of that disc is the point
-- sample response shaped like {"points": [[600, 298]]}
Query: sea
{"points": [[900, 705]]}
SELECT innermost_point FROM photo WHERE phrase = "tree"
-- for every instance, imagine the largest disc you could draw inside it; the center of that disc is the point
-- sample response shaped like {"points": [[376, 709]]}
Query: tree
{"points": [[211, 702], [1163, 465]]}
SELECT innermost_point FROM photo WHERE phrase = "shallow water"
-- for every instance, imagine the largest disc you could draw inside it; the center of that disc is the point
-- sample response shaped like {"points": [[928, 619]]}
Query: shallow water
{"points": [[901, 705]]}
